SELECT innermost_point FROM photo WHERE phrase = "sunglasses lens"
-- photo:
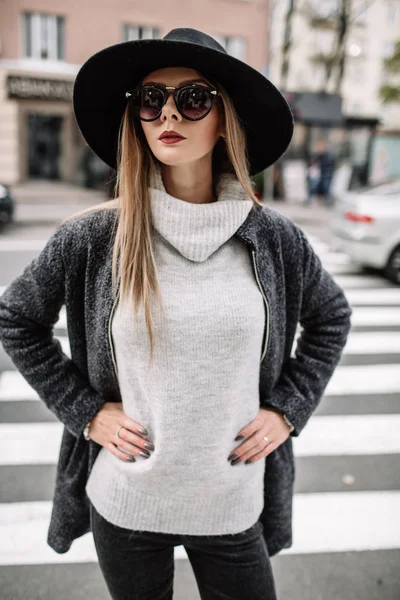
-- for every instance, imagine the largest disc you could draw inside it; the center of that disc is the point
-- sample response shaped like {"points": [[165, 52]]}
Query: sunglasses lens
{"points": [[194, 102], [148, 102]]}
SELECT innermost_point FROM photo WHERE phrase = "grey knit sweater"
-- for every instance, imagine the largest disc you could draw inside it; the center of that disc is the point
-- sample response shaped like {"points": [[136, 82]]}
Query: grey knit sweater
{"points": [[203, 385]]}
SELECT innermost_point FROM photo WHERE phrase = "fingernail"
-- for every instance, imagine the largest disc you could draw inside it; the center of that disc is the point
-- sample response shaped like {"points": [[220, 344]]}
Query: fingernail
{"points": [[233, 456], [234, 462], [239, 437], [248, 461], [143, 431], [149, 446], [145, 454], [131, 459]]}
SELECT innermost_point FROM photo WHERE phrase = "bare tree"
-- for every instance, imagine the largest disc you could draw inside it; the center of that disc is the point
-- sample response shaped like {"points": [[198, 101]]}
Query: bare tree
{"points": [[287, 42], [390, 92]]}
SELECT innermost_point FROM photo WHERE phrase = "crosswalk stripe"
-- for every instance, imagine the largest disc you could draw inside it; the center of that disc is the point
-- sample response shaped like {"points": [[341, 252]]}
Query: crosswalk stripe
{"points": [[377, 296], [24, 245], [364, 379], [365, 316], [14, 387], [360, 281], [342, 435], [349, 521], [345, 522], [333, 435], [373, 342]]}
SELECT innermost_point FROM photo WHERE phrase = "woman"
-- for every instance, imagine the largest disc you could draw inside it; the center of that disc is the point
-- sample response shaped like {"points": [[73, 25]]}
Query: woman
{"points": [[183, 295]]}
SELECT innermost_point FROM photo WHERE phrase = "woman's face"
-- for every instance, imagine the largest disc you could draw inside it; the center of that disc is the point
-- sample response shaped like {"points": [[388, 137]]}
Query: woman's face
{"points": [[200, 136]]}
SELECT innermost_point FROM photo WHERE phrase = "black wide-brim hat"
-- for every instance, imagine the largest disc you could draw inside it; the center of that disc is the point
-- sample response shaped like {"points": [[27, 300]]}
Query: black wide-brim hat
{"points": [[99, 92]]}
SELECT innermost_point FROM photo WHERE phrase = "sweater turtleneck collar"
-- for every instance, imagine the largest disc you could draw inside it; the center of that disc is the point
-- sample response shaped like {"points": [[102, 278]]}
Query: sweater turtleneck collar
{"points": [[198, 230]]}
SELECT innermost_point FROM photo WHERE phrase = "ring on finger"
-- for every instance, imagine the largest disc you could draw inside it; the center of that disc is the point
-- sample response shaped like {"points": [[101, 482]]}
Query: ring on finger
{"points": [[117, 432], [266, 439]]}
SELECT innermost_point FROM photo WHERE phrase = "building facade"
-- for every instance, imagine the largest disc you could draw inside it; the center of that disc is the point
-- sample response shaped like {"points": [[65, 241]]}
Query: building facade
{"points": [[373, 28], [327, 56], [43, 43]]}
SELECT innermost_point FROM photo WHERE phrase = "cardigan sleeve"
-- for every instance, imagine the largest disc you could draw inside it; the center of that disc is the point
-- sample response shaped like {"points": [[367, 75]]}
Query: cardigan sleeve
{"points": [[325, 319], [29, 309]]}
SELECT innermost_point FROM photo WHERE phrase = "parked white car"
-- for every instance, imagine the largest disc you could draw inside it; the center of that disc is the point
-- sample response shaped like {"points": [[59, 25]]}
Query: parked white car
{"points": [[366, 226]]}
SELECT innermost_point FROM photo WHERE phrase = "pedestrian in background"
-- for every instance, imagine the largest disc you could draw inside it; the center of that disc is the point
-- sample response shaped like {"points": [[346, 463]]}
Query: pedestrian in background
{"points": [[183, 295], [319, 174]]}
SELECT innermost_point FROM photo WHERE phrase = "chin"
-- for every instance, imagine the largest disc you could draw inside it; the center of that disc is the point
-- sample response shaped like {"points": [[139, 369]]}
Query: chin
{"points": [[177, 158], [175, 161]]}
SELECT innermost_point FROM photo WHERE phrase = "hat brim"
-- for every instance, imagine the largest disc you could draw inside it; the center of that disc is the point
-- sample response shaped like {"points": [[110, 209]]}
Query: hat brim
{"points": [[99, 95]]}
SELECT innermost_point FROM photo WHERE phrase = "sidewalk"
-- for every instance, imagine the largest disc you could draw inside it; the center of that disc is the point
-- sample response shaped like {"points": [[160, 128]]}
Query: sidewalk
{"points": [[47, 201], [315, 215]]}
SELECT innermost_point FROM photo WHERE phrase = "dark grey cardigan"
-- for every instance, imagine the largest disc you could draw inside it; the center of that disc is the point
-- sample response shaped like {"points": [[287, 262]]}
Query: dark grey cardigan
{"points": [[74, 269]]}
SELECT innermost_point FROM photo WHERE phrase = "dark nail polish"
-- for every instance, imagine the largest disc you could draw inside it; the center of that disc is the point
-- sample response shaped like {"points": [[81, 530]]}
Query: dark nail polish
{"points": [[239, 437], [248, 461], [234, 462], [149, 446], [131, 459], [143, 431], [233, 456], [144, 453]]}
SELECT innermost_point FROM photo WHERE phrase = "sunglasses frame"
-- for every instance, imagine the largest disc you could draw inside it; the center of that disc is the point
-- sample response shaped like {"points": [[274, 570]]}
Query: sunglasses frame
{"points": [[165, 89]]}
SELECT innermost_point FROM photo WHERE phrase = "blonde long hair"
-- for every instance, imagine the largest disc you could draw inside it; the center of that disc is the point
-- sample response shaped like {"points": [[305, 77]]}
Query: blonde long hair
{"points": [[133, 262]]}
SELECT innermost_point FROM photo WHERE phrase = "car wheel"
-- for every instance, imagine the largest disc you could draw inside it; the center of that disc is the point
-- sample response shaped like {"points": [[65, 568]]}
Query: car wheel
{"points": [[392, 269]]}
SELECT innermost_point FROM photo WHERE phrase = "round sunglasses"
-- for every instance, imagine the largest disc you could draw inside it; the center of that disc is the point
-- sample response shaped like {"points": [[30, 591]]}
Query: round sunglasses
{"points": [[193, 101]]}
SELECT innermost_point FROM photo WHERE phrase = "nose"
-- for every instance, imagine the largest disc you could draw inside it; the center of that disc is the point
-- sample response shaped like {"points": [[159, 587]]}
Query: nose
{"points": [[169, 110]]}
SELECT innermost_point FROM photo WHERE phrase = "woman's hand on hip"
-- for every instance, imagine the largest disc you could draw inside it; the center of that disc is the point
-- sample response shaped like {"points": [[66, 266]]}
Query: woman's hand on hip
{"points": [[268, 423], [132, 440]]}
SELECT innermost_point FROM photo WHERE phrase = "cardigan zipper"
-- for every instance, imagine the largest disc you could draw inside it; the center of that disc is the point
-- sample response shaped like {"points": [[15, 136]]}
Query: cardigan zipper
{"points": [[110, 338], [253, 254]]}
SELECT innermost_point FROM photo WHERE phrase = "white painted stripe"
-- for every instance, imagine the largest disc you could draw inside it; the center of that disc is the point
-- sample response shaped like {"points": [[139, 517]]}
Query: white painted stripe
{"points": [[345, 522], [62, 320], [325, 522], [364, 379], [349, 435], [39, 443], [360, 281], [380, 296], [30, 443], [365, 343], [375, 316], [335, 258], [14, 387], [64, 341], [373, 342], [24, 245]]}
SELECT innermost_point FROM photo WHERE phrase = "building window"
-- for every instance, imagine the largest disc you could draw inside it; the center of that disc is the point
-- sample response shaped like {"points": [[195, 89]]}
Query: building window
{"points": [[360, 13], [324, 9], [357, 74], [140, 32], [235, 45], [43, 36], [391, 13], [388, 49]]}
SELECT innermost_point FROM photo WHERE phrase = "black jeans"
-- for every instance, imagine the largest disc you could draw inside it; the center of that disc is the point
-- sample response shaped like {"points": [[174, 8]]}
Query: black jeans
{"points": [[139, 565]]}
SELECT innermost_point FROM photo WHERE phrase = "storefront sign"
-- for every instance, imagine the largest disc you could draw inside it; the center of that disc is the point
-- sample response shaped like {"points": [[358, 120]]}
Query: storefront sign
{"points": [[33, 88]]}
